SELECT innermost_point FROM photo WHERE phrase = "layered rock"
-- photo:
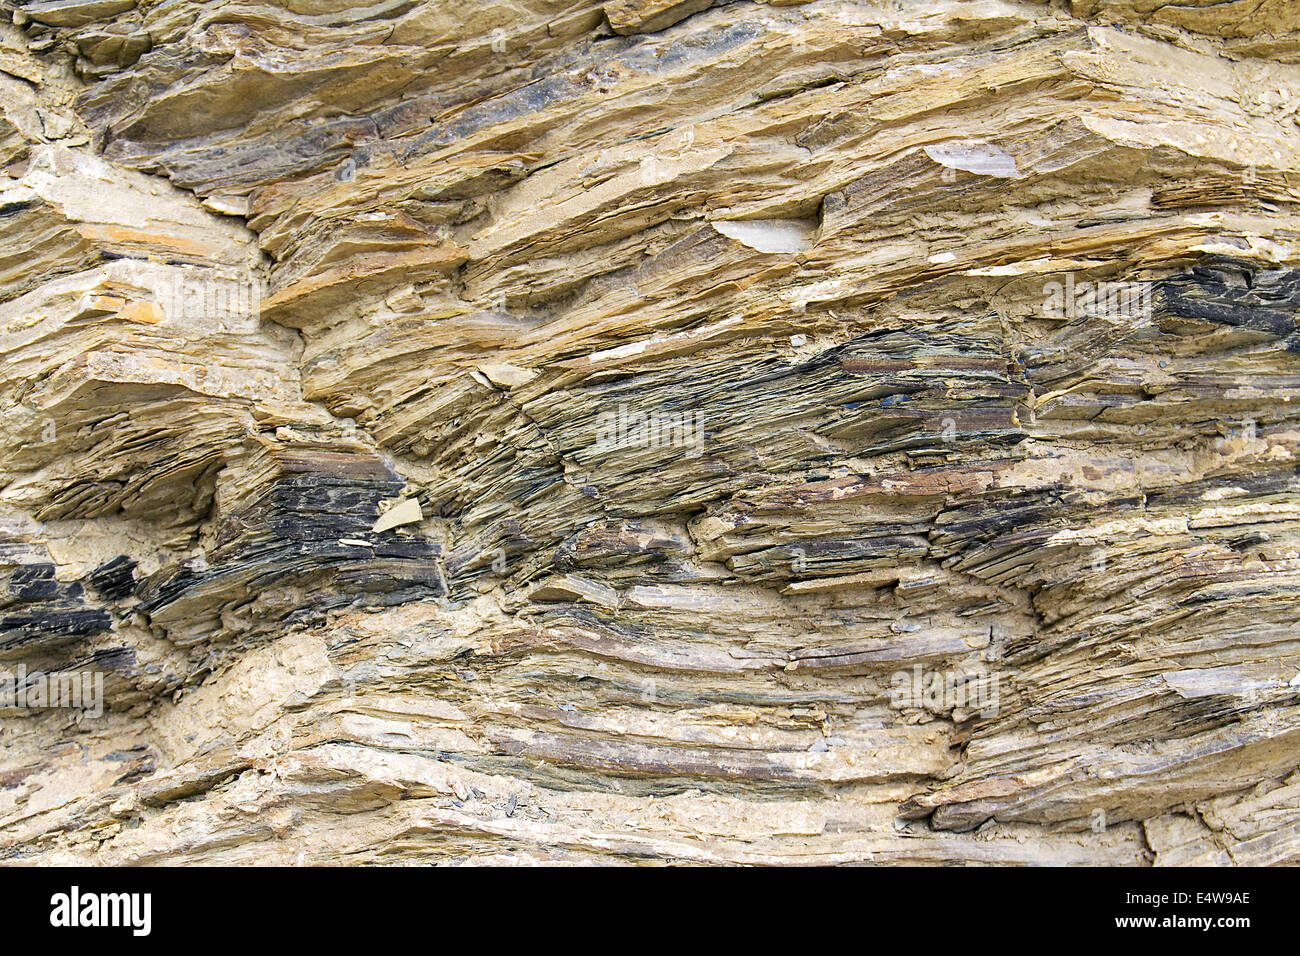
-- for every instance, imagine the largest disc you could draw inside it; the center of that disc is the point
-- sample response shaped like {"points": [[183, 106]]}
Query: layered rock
{"points": [[651, 431]]}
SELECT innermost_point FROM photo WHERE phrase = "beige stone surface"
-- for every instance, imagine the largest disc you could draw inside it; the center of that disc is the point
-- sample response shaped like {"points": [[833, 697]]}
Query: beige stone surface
{"points": [[625, 432]]}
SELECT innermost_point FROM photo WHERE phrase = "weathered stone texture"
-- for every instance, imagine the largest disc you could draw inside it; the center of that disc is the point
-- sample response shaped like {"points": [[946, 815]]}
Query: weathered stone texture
{"points": [[565, 431]]}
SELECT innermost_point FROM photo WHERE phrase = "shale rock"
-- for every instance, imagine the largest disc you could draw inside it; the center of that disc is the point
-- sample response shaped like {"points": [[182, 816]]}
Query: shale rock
{"points": [[650, 431]]}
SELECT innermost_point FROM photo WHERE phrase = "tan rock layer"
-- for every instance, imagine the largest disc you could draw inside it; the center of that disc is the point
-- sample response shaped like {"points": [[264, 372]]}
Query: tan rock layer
{"points": [[626, 431]]}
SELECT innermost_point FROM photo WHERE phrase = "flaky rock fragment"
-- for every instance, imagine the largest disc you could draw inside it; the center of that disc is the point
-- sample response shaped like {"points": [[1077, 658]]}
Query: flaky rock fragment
{"points": [[610, 431], [647, 16], [405, 511]]}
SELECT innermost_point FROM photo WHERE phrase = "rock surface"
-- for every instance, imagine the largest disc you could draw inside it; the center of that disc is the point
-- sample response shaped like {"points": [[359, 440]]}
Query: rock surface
{"points": [[651, 431]]}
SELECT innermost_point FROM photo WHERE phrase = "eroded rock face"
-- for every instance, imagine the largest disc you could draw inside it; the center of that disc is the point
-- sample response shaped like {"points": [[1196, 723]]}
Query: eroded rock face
{"points": [[650, 430]]}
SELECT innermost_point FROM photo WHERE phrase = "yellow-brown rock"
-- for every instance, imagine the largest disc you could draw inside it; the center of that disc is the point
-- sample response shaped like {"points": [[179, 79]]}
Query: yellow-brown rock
{"points": [[650, 431]]}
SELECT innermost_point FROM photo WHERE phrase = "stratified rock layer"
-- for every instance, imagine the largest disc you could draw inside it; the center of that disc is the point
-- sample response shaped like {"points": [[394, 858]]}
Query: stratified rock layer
{"points": [[651, 430]]}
